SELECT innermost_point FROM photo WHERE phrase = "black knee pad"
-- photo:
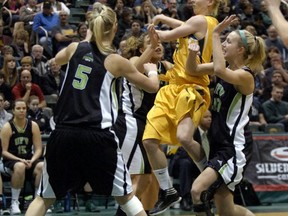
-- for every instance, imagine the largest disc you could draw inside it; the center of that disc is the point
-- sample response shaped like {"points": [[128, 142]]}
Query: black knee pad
{"points": [[202, 208], [208, 195]]}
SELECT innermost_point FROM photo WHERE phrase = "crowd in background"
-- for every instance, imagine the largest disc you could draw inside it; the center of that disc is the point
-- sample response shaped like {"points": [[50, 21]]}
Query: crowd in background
{"points": [[38, 30]]}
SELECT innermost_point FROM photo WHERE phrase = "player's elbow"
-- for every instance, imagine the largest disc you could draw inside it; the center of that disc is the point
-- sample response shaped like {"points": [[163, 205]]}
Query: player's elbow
{"points": [[153, 88]]}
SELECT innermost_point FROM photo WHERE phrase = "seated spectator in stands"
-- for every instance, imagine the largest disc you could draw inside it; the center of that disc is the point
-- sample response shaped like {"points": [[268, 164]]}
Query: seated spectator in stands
{"points": [[6, 50], [27, 14], [6, 91], [276, 64], [38, 59], [186, 11], [63, 33], [257, 117], [25, 88], [20, 45], [47, 19], [35, 113], [26, 64], [13, 6], [53, 80], [119, 8], [21, 149], [171, 10], [275, 109], [278, 78], [273, 39], [124, 23], [264, 14], [81, 32], [146, 13], [271, 78], [4, 115], [59, 6], [10, 71], [135, 30], [272, 51]]}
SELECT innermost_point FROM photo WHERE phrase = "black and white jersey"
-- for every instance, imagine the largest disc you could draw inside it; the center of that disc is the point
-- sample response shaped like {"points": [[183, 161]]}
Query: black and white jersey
{"points": [[21, 140], [231, 142], [135, 101], [88, 94]]}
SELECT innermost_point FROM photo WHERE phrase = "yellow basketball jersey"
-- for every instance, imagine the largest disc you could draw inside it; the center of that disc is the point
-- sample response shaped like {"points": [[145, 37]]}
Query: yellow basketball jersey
{"points": [[177, 74]]}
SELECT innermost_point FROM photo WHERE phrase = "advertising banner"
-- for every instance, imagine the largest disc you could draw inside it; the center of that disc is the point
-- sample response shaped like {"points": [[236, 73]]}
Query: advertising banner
{"points": [[268, 169]]}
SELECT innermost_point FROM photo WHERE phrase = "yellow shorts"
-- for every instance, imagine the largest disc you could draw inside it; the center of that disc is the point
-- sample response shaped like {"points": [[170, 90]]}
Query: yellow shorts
{"points": [[172, 103]]}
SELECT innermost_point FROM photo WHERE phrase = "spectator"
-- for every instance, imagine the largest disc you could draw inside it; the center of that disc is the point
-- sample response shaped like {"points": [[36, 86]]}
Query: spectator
{"points": [[171, 10], [187, 11], [6, 91], [53, 80], [38, 59], [264, 14], [124, 23], [63, 33], [274, 40], [27, 14], [276, 64], [247, 15], [272, 51], [25, 88], [4, 115], [119, 8], [276, 79], [81, 31], [10, 71], [35, 113], [135, 30], [20, 45], [13, 6], [26, 64], [275, 109], [6, 50], [279, 18], [146, 13], [47, 20], [257, 117], [59, 6], [22, 149]]}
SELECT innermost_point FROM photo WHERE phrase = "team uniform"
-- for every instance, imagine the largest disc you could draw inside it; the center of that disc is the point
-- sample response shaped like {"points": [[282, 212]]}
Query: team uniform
{"points": [[83, 147], [231, 142], [184, 94], [20, 145], [130, 124]]}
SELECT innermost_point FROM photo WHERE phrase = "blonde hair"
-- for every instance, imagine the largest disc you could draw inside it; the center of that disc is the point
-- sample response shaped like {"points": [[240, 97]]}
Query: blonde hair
{"points": [[215, 7], [102, 20], [255, 52], [131, 48]]}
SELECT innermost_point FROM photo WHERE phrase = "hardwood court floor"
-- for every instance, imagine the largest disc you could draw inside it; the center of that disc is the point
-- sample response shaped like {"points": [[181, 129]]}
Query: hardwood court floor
{"points": [[273, 210]]}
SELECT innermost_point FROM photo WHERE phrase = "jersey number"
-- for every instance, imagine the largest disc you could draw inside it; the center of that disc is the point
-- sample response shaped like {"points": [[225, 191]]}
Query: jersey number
{"points": [[81, 77]]}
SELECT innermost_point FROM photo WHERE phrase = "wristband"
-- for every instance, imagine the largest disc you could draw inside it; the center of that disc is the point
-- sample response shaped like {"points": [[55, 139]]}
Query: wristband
{"points": [[152, 73]]}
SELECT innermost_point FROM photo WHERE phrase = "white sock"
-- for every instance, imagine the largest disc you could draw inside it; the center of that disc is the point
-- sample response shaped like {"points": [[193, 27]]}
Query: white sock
{"points": [[201, 164], [15, 193], [163, 178]]}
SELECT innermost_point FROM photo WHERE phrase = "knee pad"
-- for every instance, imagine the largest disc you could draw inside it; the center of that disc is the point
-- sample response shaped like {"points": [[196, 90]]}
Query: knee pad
{"points": [[208, 195], [197, 208], [132, 207]]}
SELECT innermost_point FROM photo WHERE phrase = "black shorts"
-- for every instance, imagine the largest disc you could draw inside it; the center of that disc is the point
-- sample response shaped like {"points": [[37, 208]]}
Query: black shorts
{"points": [[75, 156], [129, 131], [28, 173]]}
